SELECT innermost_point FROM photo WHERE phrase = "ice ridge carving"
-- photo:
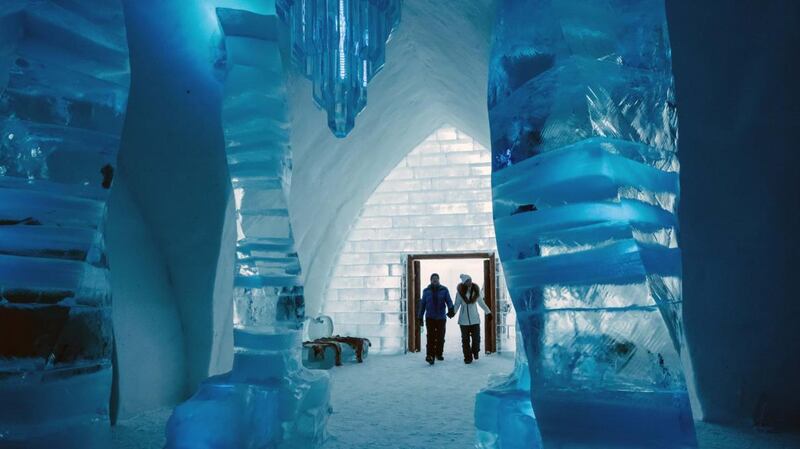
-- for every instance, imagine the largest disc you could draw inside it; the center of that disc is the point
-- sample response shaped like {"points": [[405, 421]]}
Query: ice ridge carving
{"points": [[340, 46], [268, 400], [585, 189], [64, 79]]}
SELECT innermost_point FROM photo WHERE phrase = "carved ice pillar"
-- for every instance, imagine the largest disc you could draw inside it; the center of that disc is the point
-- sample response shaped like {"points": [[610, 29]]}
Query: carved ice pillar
{"points": [[585, 187], [268, 399], [64, 79]]}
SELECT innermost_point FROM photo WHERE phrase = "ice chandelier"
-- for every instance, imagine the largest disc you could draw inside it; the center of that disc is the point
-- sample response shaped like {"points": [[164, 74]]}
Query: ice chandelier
{"points": [[340, 45]]}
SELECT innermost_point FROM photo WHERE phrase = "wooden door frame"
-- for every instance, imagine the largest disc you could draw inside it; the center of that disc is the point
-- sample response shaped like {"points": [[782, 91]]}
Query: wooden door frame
{"points": [[414, 290]]}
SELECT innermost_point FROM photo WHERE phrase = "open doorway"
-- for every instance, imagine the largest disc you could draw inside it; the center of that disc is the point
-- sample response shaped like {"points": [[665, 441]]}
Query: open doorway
{"points": [[480, 266]]}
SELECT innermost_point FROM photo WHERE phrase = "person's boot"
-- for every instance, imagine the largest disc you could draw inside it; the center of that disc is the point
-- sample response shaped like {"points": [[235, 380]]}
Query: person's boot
{"points": [[429, 359], [475, 355], [467, 360], [440, 357]]}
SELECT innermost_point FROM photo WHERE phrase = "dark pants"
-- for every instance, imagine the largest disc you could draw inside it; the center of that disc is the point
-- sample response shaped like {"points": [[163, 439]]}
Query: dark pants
{"points": [[435, 346], [471, 341]]}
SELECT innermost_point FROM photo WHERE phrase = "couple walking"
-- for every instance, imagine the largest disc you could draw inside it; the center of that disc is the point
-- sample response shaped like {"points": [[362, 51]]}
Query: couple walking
{"points": [[435, 299]]}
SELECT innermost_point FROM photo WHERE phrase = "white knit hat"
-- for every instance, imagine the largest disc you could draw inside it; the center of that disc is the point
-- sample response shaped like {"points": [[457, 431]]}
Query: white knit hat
{"points": [[464, 278]]}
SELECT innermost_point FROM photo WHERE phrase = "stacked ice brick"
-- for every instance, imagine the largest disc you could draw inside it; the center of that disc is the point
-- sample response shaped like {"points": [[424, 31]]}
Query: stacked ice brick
{"points": [[268, 400], [437, 199], [64, 79], [340, 46], [585, 188]]}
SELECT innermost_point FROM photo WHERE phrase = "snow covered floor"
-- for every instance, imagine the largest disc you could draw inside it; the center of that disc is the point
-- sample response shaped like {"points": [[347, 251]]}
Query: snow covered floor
{"points": [[399, 402]]}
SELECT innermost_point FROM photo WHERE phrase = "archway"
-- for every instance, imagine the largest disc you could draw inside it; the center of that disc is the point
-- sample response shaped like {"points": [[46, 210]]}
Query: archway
{"points": [[436, 200]]}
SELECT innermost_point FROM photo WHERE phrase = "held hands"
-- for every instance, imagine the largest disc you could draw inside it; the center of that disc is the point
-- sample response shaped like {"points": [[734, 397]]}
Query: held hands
{"points": [[451, 313]]}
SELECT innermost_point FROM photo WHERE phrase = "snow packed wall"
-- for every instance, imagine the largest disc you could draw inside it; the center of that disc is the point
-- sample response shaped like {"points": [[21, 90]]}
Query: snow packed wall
{"points": [[64, 78], [585, 185], [436, 200], [269, 399], [172, 163], [148, 334]]}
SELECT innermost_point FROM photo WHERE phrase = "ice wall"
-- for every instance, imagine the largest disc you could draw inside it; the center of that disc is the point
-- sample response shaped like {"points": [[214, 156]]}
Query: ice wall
{"points": [[268, 399], [585, 186], [437, 199], [63, 90]]}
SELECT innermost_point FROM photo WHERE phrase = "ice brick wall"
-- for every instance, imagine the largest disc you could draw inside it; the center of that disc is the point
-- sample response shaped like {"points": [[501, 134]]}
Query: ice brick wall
{"points": [[437, 199], [64, 81]]}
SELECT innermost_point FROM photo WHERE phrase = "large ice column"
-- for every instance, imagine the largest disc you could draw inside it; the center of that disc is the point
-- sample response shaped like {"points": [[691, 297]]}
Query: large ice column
{"points": [[340, 46], [64, 78], [268, 399], [585, 187]]}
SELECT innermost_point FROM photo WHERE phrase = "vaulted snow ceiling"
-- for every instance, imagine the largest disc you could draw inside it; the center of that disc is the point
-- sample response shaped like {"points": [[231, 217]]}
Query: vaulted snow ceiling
{"points": [[436, 73]]}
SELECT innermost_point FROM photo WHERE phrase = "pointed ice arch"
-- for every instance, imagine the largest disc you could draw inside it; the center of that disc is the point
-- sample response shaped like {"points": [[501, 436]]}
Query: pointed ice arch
{"points": [[437, 199]]}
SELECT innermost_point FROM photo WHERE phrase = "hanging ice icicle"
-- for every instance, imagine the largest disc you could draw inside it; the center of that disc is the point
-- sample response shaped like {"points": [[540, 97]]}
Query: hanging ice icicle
{"points": [[339, 45]]}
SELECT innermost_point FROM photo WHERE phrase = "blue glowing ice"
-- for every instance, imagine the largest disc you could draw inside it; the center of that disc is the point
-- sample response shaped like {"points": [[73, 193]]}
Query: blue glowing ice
{"points": [[269, 399], [340, 45], [585, 187], [64, 81], [504, 415]]}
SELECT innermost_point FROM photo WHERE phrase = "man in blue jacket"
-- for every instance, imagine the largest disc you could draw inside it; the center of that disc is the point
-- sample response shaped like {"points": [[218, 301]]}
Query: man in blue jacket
{"points": [[435, 298]]}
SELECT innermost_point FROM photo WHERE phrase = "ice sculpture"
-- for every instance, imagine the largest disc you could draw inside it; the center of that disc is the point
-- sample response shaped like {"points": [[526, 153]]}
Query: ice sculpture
{"points": [[585, 187], [64, 79], [340, 45], [269, 399]]}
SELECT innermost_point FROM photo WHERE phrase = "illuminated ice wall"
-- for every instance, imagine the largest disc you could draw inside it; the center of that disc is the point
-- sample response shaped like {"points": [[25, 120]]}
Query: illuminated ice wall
{"points": [[436, 200], [585, 188]]}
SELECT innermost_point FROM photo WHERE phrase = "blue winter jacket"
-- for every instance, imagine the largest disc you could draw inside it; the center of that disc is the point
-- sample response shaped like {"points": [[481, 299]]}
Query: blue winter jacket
{"points": [[435, 306]]}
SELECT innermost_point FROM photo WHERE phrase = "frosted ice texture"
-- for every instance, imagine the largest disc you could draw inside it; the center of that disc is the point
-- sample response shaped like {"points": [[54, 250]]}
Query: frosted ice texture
{"points": [[64, 78], [585, 189], [340, 46], [268, 400]]}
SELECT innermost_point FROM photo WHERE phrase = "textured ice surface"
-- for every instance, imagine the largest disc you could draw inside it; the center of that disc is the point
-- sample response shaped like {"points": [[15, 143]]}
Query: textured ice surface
{"points": [[268, 290], [63, 92], [504, 415], [269, 398], [585, 188], [340, 45]]}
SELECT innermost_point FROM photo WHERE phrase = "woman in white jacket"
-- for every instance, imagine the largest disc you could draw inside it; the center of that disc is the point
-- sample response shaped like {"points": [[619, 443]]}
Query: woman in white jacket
{"points": [[468, 298]]}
